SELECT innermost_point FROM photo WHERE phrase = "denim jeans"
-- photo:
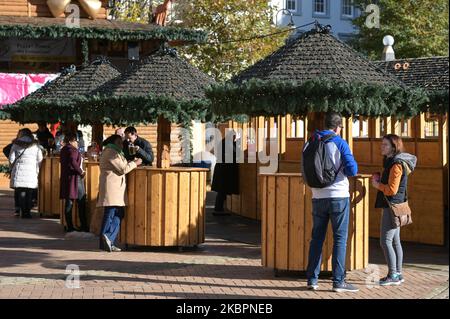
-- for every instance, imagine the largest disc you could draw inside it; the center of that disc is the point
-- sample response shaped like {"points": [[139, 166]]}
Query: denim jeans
{"points": [[338, 210], [111, 223], [390, 243]]}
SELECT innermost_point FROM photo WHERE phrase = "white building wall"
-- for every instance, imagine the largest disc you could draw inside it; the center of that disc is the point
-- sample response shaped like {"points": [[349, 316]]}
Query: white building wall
{"points": [[342, 26]]}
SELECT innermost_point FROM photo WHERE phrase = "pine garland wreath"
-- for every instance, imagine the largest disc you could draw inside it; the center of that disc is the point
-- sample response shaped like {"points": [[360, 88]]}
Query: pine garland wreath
{"points": [[62, 31], [123, 110], [256, 97]]}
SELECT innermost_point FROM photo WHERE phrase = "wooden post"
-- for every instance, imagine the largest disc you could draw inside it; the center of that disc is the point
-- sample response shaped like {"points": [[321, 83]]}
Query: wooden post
{"points": [[443, 139], [260, 123], [282, 126], [388, 125], [348, 131], [97, 133], [420, 126], [163, 145], [315, 121], [374, 127]]}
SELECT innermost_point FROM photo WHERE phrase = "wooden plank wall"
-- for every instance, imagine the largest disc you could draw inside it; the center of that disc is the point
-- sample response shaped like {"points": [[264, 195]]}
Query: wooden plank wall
{"points": [[39, 8], [8, 132], [428, 184], [168, 209], [287, 224]]}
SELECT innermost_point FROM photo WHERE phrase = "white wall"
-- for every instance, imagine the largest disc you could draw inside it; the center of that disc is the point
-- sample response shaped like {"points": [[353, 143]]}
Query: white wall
{"points": [[339, 24]]}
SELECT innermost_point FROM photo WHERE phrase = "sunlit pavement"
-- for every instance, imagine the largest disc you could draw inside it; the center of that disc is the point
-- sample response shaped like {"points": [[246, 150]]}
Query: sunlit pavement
{"points": [[34, 256]]}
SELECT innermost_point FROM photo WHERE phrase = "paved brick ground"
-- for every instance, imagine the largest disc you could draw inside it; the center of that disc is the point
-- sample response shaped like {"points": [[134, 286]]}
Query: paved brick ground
{"points": [[34, 255]]}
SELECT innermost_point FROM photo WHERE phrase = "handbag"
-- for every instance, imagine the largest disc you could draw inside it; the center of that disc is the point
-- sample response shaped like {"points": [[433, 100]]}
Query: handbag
{"points": [[400, 213]]}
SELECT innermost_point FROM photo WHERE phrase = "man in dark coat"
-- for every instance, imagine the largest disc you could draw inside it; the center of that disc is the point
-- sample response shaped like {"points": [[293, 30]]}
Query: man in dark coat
{"points": [[72, 182], [44, 136], [143, 148], [226, 175]]}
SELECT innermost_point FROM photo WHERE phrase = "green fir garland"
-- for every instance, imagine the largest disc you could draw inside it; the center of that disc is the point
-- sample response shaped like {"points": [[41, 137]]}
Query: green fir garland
{"points": [[269, 98], [62, 31], [124, 110]]}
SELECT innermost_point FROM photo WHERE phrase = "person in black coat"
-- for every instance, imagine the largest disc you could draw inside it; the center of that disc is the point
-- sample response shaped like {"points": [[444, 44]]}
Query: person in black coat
{"points": [[44, 136], [226, 175], [143, 147]]}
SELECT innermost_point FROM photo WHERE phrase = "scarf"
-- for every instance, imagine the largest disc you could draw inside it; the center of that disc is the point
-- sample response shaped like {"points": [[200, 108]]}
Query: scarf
{"points": [[116, 148]]}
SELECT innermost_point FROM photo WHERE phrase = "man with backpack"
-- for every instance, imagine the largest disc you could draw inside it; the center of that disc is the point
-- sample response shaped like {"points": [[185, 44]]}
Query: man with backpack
{"points": [[326, 163]]}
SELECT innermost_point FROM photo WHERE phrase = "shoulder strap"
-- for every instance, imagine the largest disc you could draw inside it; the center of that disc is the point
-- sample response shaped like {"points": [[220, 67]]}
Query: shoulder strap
{"points": [[17, 158], [328, 137]]}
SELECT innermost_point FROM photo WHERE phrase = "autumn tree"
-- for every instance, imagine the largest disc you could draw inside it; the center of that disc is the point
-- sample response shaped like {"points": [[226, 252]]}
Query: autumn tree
{"points": [[232, 26], [419, 27], [133, 10]]}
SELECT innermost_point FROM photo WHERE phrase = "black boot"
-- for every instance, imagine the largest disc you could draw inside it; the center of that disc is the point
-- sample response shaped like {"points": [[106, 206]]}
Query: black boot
{"points": [[68, 216], [82, 214]]}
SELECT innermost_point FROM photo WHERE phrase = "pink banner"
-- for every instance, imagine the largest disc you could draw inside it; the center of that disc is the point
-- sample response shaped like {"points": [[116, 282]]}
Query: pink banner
{"points": [[13, 86]]}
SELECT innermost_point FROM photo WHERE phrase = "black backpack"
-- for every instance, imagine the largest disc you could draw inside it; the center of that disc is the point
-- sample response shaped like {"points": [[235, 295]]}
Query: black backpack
{"points": [[317, 165]]}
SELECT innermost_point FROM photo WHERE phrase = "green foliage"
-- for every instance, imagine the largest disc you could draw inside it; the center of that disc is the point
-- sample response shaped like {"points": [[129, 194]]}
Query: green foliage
{"points": [[438, 102], [60, 31], [228, 20], [4, 115], [124, 110], [4, 168], [419, 27], [133, 11], [269, 98]]}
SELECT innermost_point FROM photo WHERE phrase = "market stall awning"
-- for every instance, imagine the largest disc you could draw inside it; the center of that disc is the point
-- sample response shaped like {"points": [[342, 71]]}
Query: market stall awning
{"points": [[430, 74], [315, 72], [113, 30], [59, 99]]}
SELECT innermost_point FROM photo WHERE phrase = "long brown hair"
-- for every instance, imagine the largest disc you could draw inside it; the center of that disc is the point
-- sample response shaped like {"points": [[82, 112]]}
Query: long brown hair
{"points": [[396, 143]]}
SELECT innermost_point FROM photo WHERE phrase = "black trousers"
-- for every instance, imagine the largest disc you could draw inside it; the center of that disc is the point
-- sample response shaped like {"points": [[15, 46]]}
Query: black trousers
{"points": [[220, 200], [24, 198], [16, 200], [81, 213], [81, 201]]}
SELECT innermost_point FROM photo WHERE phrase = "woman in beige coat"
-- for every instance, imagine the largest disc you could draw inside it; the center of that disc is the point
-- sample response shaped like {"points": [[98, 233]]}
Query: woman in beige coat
{"points": [[112, 189]]}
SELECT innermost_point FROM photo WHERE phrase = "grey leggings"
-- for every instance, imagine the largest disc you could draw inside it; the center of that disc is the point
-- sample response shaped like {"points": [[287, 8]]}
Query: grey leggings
{"points": [[390, 243]]}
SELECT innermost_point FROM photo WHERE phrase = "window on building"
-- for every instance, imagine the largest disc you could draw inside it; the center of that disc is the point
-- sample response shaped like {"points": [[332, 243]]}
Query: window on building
{"points": [[402, 127], [347, 8], [291, 5], [320, 7], [383, 126], [360, 127], [431, 126], [297, 128]]}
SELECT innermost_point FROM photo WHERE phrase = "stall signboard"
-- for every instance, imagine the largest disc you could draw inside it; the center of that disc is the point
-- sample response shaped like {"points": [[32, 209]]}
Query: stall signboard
{"points": [[38, 50]]}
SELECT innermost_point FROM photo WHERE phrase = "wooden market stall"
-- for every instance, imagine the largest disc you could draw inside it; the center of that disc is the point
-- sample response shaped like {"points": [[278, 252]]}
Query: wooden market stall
{"points": [[42, 40], [285, 96], [425, 135], [166, 204]]}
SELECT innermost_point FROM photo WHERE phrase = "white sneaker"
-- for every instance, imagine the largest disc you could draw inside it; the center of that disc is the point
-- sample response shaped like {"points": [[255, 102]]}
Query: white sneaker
{"points": [[107, 242]]}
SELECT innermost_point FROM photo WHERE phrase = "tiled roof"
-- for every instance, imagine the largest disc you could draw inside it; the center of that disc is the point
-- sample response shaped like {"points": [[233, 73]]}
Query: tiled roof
{"points": [[317, 54], [163, 74], [77, 83], [427, 73]]}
